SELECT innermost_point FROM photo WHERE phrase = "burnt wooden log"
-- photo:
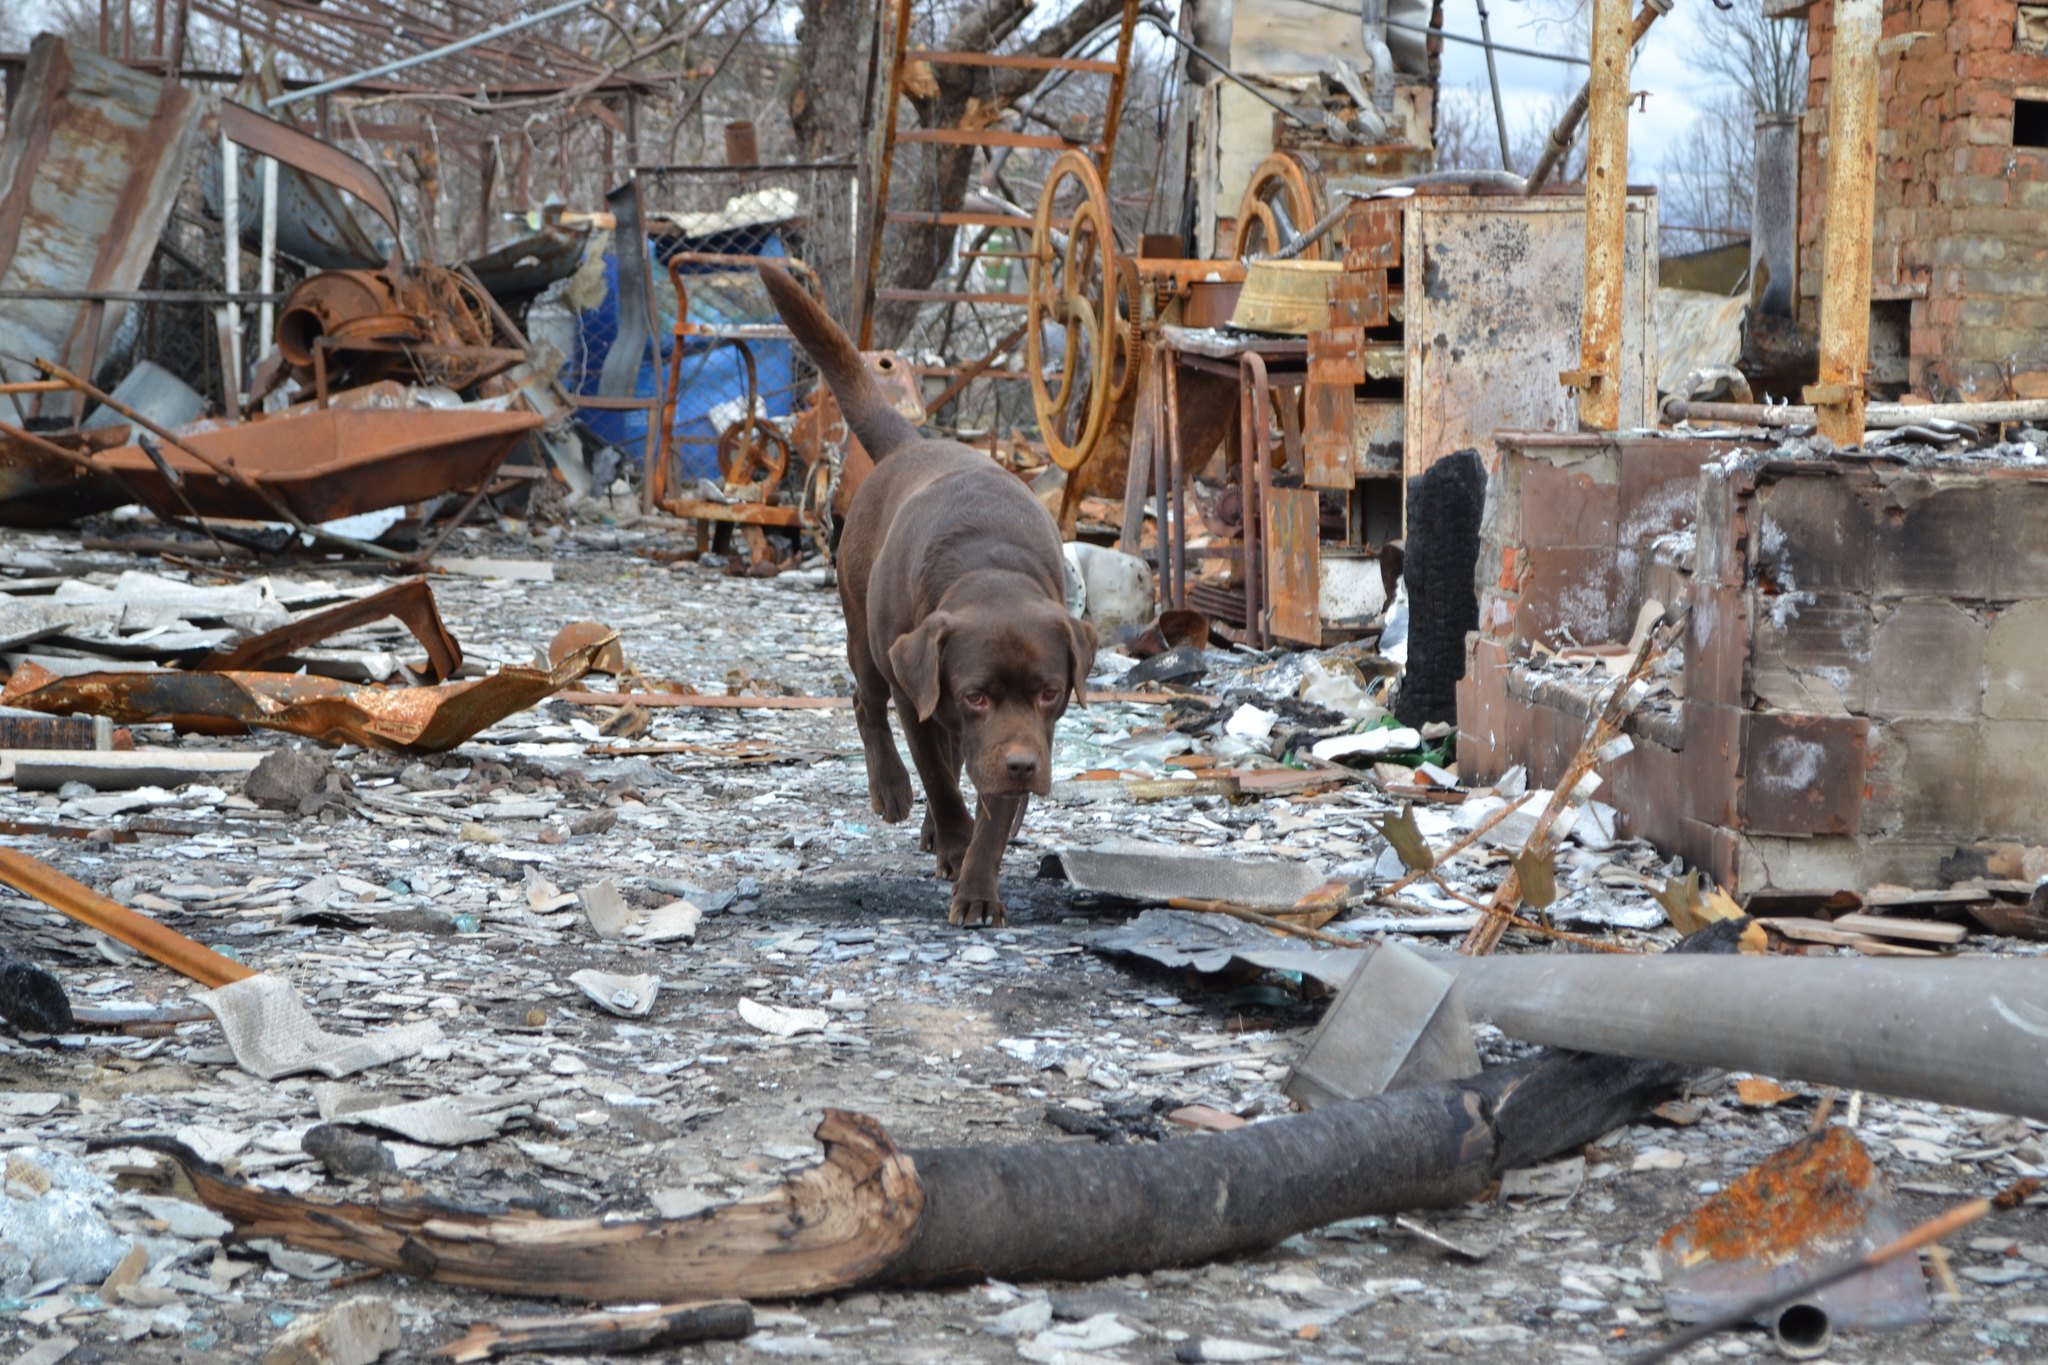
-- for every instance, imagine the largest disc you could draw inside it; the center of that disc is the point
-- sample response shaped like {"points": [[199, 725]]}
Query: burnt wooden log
{"points": [[871, 1214]]}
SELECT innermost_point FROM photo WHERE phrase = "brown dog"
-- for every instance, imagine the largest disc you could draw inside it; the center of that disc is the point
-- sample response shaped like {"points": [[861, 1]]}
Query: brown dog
{"points": [[952, 581]]}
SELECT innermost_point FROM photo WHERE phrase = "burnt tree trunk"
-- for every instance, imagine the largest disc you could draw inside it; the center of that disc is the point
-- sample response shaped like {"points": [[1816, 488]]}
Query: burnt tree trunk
{"points": [[828, 113], [872, 1214]]}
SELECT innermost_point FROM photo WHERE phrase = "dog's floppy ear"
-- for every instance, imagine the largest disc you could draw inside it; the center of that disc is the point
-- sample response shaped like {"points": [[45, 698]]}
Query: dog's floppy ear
{"points": [[1081, 641], [915, 660]]}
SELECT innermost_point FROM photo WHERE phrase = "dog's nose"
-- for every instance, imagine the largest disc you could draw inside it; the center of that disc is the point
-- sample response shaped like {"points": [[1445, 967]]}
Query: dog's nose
{"points": [[1021, 764]]}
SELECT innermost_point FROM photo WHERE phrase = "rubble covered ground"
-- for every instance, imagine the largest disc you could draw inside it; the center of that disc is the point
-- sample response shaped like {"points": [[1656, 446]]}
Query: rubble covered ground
{"points": [[454, 889]]}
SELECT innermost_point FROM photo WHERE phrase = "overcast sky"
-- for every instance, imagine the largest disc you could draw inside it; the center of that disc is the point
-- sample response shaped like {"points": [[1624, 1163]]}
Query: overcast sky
{"points": [[1528, 85], [1662, 67]]}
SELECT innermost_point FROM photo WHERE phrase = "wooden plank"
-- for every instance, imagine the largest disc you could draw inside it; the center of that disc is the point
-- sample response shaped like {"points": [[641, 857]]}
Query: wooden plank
{"points": [[1014, 61], [1913, 930], [740, 513], [989, 137], [118, 769], [962, 219], [1820, 931], [1956, 895], [950, 296]]}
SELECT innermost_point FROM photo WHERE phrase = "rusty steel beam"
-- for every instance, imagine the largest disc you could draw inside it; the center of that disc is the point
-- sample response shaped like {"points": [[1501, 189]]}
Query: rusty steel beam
{"points": [[268, 137], [38, 879], [1850, 199], [411, 602], [1598, 378]]}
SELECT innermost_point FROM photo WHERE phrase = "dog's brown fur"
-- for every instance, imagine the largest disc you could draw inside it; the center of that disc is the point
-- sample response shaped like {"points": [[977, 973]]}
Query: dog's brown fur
{"points": [[951, 578]]}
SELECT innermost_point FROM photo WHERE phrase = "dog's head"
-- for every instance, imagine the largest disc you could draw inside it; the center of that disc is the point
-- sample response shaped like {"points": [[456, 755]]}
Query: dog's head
{"points": [[999, 679]]}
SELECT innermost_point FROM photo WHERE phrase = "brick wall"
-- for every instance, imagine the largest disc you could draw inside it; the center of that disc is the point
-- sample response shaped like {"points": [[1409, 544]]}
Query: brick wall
{"points": [[1961, 221]]}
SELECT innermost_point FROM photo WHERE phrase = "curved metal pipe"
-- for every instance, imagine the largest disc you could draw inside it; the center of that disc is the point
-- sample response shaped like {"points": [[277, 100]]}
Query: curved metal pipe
{"points": [[1373, 23], [1716, 381]]}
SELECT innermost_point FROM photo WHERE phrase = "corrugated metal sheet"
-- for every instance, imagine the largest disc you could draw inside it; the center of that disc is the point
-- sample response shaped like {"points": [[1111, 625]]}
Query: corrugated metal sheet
{"points": [[92, 161]]}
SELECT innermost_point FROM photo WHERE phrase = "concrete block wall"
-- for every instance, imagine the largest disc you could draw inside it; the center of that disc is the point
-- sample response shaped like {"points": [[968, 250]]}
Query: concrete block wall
{"points": [[1960, 233], [1865, 681]]}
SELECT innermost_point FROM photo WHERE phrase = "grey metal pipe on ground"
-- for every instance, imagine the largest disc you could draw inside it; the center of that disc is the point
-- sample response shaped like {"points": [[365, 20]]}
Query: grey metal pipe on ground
{"points": [[1875, 415], [1968, 1032]]}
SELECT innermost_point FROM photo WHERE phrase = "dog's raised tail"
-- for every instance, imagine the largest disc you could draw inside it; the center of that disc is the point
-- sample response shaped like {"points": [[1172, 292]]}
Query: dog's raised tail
{"points": [[871, 416]]}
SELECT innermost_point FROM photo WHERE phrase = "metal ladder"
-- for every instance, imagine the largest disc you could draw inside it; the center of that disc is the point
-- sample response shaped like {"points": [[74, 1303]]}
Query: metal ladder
{"points": [[902, 58]]}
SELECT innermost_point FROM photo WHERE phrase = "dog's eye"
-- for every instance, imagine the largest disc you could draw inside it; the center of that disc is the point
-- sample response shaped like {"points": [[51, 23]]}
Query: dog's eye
{"points": [[977, 701], [1049, 696]]}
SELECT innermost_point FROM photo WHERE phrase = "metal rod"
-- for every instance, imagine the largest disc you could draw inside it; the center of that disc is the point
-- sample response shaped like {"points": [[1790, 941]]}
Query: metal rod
{"points": [[266, 261], [141, 295], [39, 880], [344, 82], [231, 263], [1874, 415], [1500, 117]]}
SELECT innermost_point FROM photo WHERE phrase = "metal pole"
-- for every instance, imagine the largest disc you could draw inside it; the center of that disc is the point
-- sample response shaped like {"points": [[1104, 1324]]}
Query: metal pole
{"points": [[1845, 246], [344, 82], [231, 265], [1500, 117], [1598, 378], [266, 268]]}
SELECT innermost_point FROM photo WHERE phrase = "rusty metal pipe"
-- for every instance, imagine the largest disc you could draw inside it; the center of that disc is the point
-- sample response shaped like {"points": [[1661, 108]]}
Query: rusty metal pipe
{"points": [[1598, 378], [33, 877], [1876, 415], [1802, 1330], [1851, 199]]}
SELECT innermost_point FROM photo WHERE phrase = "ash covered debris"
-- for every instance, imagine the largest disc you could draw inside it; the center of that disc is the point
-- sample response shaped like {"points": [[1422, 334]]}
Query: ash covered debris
{"points": [[506, 957]]}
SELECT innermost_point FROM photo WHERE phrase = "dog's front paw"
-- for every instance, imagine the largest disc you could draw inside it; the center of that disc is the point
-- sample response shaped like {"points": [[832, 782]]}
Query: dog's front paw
{"points": [[949, 848], [889, 794], [978, 906]]}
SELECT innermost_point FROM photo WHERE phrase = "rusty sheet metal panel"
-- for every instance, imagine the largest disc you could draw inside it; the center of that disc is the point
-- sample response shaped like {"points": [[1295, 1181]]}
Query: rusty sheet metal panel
{"points": [[93, 159], [1336, 366], [326, 463], [324, 162], [1493, 295], [1376, 436], [412, 720], [314, 221], [1294, 570]]}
